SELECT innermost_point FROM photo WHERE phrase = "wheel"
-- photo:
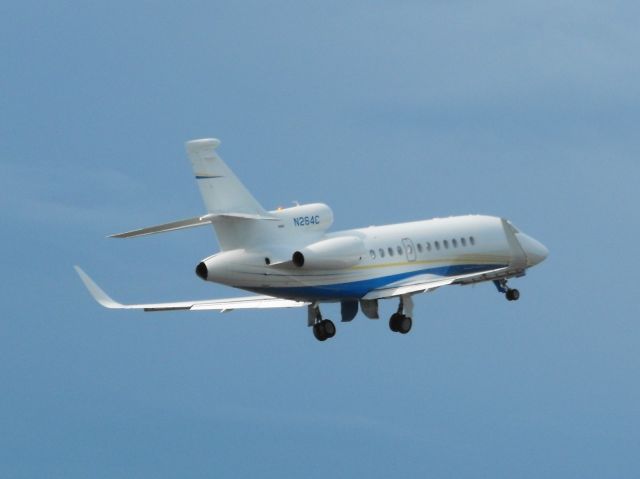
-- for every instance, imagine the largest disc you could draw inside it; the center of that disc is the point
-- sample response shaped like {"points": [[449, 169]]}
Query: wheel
{"points": [[328, 328], [512, 295], [318, 332], [394, 322], [404, 325]]}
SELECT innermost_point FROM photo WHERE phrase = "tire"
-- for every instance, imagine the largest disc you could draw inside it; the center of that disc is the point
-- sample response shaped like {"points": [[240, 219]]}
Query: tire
{"points": [[318, 332], [513, 295], [328, 328], [404, 325], [394, 322]]}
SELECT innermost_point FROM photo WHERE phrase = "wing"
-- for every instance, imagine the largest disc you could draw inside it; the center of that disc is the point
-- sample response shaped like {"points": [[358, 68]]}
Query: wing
{"points": [[423, 284], [227, 304]]}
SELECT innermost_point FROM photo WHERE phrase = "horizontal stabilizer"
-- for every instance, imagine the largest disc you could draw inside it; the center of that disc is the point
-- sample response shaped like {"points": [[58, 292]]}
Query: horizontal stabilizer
{"points": [[174, 225], [190, 223], [225, 304]]}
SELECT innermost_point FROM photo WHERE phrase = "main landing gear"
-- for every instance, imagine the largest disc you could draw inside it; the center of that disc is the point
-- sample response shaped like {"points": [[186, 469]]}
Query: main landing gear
{"points": [[399, 321], [509, 293], [323, 329]]}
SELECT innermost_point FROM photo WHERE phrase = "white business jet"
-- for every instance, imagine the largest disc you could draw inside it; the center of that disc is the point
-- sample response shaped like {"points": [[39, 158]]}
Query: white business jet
{"points": [[290, 259]]}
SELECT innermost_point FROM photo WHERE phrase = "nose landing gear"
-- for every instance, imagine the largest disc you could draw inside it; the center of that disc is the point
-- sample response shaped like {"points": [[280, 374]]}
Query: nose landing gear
{"points": [[512, 295], [509, 293]]}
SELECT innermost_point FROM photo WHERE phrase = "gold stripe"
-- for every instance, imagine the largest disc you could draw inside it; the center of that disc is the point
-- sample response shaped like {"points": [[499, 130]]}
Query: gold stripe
{"points": [[485, 259]]}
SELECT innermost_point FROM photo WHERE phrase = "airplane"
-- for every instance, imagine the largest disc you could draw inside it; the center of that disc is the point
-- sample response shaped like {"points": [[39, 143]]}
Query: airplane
{"points": [[290, 259]]}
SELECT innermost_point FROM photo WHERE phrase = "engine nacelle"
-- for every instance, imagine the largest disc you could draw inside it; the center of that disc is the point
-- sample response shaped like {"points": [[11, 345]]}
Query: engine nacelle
{"points": [[332, 253], [222, 267], [312, 218]]}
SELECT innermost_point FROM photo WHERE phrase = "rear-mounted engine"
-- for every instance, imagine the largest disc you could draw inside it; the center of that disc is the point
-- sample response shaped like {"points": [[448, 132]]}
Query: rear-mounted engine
{"points": [[333, 253]]}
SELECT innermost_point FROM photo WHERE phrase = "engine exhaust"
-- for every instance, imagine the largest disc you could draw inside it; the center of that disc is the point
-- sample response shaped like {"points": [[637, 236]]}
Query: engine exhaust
{"points": [[202, 271]]}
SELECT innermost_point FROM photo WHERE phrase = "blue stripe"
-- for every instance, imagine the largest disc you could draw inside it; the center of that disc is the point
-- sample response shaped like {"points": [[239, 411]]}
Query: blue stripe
{"points": [[357, 289], [206, 177]]}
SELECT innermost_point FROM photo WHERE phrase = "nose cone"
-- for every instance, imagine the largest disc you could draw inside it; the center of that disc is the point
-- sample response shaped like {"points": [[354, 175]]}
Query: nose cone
{"points": [[536, 252]]}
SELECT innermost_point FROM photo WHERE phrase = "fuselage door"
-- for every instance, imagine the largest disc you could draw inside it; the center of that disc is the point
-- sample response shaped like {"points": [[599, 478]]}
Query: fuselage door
{"points": [[409, 249]]}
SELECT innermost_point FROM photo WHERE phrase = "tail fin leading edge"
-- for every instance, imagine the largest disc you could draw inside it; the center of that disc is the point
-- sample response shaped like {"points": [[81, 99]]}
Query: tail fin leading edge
{"points": [[236, 216]]}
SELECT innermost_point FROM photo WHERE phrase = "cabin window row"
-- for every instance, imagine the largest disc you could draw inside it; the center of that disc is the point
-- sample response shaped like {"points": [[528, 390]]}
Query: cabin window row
{"points": [[428, 246]]}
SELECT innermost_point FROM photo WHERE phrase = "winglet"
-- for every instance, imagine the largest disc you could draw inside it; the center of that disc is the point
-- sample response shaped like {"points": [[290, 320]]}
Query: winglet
{"points": [[100, 296]]}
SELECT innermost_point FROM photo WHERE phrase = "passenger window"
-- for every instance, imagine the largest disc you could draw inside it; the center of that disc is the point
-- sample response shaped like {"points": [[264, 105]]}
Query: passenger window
{"points": [[463, 242], [428, 246], [472, 240], [390, 249], [381, 251], [454, 242], [399, 249], [372, 254], [436, 244], [419, 246], [445, 243]]}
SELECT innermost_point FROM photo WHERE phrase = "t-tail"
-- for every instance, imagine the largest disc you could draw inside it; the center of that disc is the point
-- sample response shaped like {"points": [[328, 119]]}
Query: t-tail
{"points": [[236, 215]]}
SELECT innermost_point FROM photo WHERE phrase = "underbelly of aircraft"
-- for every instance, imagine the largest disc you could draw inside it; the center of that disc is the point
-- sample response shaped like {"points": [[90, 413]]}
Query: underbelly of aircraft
{"points": [[348, 285]]}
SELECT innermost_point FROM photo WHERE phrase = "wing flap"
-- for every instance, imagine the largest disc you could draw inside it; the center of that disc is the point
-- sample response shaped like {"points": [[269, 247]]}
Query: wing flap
{"points": [[224, 304], [247, 302]]}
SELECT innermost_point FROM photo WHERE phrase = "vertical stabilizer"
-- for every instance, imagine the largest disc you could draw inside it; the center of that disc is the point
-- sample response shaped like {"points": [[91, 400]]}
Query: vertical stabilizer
{"points": [[222, 191]]}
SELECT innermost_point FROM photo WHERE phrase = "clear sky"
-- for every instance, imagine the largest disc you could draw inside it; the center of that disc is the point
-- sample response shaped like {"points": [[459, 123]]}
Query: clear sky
{"points": [[387, 111]]}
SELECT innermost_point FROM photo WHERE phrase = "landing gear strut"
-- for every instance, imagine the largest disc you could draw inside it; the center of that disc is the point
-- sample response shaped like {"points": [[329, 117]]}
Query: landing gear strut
{"points": [[399, 321], [323, 329], [509, 293]]}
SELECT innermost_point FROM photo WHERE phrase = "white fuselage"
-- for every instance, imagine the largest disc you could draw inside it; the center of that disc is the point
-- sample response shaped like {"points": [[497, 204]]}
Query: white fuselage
{"points": [[291, 259], [349, 264]]}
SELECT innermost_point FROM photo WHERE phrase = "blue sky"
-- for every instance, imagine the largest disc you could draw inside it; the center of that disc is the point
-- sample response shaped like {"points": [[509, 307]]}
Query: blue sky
{"points": [[387, 111]]}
